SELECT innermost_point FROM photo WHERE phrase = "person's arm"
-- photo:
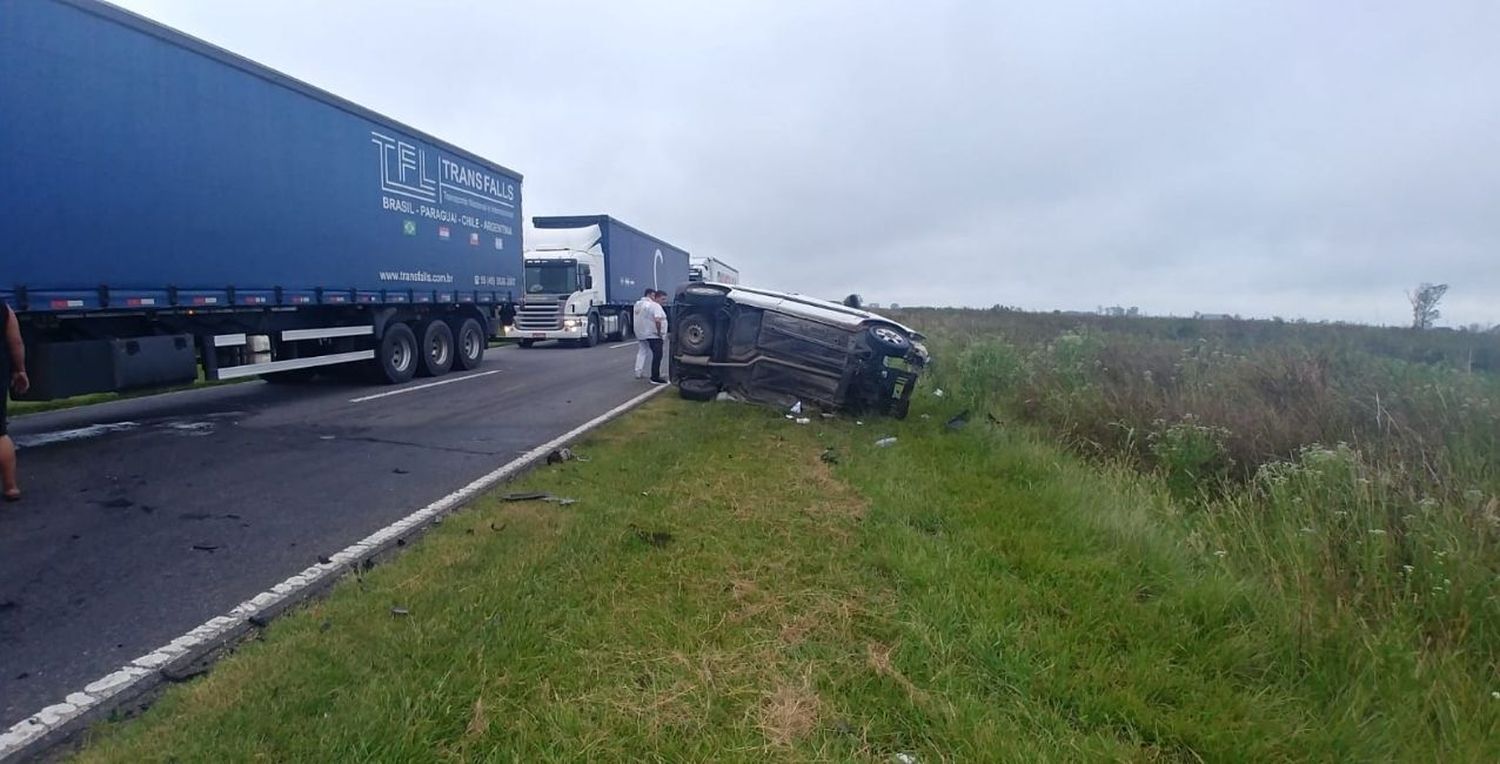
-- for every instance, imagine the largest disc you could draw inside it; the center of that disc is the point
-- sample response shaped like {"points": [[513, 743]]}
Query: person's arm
{"points": [[660, 314], [19, 382]]}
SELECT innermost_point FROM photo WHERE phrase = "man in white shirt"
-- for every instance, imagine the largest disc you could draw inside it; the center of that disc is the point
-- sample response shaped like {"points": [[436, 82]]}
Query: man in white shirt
{"points": [[656, 325], [644, 330]]}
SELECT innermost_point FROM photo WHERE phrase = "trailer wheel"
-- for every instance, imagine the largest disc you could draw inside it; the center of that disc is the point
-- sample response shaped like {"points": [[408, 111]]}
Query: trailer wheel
{"points": [[469, 342], [396, 358], [696, 334], [436, 357]]}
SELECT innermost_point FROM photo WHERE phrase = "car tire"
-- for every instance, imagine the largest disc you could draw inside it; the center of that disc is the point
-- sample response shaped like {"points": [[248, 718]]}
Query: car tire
{"points": [[695, 334], [697, 389], [396, 357], [436, 356], [888, 340], [469, 344]]}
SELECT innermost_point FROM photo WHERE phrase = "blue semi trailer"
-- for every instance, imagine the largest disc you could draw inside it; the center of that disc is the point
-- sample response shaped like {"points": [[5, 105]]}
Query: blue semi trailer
{"points": [[168, 207], [583, 275]]}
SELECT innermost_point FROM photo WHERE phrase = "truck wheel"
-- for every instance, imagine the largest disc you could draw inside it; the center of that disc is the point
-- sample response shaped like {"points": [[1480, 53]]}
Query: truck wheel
{"points": [[888, 340], [396, 358], [695, 335], [469, 342], [591, 334], [436, 357], [526, 343]]}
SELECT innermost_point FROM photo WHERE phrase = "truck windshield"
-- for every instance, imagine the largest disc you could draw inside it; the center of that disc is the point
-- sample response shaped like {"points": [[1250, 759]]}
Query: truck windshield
{"points": [[551, 279]]}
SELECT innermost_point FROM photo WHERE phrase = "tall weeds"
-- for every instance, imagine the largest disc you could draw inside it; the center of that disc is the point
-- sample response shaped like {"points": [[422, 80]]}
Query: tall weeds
{"points": [[1352, 471]]}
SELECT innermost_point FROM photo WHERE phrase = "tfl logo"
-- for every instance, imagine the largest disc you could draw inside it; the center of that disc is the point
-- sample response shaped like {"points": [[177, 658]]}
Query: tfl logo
{"points": [[404, 169]]}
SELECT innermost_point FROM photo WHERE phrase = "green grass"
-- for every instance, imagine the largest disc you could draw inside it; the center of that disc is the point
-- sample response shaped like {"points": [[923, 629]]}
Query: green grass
{"points": [[720, 592]]}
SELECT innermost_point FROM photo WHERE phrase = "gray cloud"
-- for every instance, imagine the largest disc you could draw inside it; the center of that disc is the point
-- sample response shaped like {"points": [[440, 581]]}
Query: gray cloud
{"points": [[1285, 158]]}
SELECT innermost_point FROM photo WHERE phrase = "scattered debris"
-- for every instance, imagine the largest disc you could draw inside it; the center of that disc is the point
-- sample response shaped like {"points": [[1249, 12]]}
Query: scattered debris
{"points": [[119, 502], [558, 456], [538, 496], [400, 611], [904, 758], [796, 408], [858, 423], [959, 420], [803, 420], [400, 471], [205, 547], [325, 625], [327, 437], [657, 539], [938, 393], [324, 559], [527, 496], [993, 420], [582, 459], [926, 416], [830, 456], [829, 415], [885, 442], [497, 529]]}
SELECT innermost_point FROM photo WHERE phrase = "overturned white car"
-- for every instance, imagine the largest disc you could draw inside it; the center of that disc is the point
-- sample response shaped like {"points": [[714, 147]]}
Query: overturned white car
{"points": [[778, 348]]}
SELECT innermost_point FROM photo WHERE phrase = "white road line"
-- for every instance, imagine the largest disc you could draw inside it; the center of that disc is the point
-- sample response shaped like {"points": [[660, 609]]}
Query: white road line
{"points": [[415, 388], [623, 345], [30, 731]]}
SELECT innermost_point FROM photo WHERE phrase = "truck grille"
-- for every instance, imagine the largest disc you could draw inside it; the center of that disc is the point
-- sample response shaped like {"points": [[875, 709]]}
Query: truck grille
{"points": [[540, 316]]}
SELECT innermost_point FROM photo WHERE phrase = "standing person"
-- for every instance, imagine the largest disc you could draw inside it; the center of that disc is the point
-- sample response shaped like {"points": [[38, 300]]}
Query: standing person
{"points": [[13, 371], [641, 322], [659, 332]]}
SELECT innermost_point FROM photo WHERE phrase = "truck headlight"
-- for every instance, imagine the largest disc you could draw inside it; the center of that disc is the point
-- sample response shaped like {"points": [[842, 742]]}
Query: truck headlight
{"points": [[571, 323]]}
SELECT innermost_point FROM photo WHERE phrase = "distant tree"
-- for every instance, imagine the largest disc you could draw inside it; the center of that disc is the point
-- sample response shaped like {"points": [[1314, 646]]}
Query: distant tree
{"points": [[853, 301], [1424, 302]]}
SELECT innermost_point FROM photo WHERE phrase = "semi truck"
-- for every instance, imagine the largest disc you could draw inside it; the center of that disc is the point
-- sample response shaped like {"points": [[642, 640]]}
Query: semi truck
{"points": [[173, 210], [712, 270], [583, 274]]}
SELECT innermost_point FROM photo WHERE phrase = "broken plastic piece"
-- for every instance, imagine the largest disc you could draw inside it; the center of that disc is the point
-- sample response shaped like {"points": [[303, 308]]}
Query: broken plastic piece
{"points": [[797, 407], [885, 442], [938, 393], [803, 420]]}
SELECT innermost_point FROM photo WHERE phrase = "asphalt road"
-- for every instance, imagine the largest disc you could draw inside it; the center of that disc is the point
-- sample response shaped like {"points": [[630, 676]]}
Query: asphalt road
{"points": [[144, 518]]}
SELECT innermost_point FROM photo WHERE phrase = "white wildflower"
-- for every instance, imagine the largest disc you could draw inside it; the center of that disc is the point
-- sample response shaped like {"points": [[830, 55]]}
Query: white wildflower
{"points": [[1221, 554], [1407, 569]]}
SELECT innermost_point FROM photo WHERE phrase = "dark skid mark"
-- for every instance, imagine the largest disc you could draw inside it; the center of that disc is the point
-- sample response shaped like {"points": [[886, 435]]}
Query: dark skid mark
{"points": [[119, 502]]}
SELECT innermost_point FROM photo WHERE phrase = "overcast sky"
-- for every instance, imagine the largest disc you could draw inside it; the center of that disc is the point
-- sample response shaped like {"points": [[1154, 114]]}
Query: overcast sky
{"points": [[1301, 159]]}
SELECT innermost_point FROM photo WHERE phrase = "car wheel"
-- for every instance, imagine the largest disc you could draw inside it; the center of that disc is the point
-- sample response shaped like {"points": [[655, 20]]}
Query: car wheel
{"points": [[469, 343], [697, 389], [436, 357], [396, 358], [889, 340], [695, 335]]}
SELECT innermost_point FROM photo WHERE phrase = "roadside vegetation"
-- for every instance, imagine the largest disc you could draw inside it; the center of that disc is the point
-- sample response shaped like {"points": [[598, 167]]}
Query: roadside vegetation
{"points": [[1053, 561]]}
